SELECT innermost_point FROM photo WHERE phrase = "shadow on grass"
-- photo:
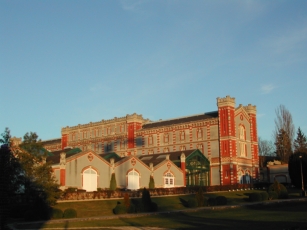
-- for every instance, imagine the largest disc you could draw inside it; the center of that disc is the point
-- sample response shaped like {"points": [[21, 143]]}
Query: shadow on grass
{"points": [[240, 219]]}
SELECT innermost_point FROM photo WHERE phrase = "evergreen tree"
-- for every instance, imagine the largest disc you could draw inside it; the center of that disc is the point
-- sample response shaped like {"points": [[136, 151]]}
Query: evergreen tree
{"points": [[300, 143], [113, 182], [151, 183], [283, 146]]}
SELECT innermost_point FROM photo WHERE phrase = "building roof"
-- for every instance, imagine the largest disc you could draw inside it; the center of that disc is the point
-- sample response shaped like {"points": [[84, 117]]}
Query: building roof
{"points": [[158, 158], [179, 120], [52, 141], [54, 157]]}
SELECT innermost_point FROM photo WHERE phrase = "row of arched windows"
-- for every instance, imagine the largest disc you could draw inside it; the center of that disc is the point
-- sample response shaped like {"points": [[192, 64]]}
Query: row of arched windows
{"points": [[90, 180]]}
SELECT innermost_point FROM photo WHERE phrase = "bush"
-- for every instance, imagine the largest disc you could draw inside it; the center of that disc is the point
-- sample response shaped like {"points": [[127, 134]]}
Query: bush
{"points": [[221, 200], [18, 211], [151, 183], [264, 195], [255, 197], [70, 213], [283, 194], [120, 209], [211, 201], [192, 203], [280, 189], [56, 213], [273, 195], [200, 197], [113, 182]]}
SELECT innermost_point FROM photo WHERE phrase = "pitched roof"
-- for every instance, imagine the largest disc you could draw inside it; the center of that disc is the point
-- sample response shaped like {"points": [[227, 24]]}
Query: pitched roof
{"points": [[179, 120], [52, 141], [54, 157], [158, 158]]}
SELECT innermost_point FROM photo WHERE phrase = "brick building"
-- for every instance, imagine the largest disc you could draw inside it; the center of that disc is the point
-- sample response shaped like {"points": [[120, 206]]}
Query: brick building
{"points": [[213, 148]]}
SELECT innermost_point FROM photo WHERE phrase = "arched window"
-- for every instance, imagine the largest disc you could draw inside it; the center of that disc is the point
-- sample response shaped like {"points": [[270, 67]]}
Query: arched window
{"points": [[133, 180], [89, 178], [182, 148], [168, 180], [165, 150]]}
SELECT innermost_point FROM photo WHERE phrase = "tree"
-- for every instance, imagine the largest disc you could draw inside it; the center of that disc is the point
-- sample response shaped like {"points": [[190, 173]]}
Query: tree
{"points": [[294, 167], [113, 182], [284, 133], [266, 149], [300, 143], [10, 177], [283, 146]]}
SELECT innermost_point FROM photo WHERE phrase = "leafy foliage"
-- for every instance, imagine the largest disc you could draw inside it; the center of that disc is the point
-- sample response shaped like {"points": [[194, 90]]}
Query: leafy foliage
{"points": [[221, 200], [255, 197], [70, 213], [300, 143], [280, 189], [283, 145], [56, 213]]}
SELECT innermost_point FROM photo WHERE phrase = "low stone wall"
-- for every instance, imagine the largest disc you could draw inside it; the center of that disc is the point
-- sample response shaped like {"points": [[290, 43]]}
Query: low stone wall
{"points": [[107, 194]]}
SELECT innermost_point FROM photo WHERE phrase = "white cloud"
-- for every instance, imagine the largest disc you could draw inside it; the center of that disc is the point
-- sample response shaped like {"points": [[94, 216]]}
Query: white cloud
{"points": [[131, 5], [259, 115], [265, 89]]}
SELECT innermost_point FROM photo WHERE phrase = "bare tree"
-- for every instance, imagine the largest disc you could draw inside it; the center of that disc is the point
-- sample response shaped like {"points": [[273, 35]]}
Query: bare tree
{"points": [[266, 149], [284, 133]]}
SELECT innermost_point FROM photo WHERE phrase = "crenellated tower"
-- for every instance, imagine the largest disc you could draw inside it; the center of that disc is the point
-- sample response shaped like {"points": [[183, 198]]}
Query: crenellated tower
{"points": [[227, 135]]}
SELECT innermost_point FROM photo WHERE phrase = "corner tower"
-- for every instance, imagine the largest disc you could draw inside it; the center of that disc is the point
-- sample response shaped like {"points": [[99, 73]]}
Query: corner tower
{"points": [[227, 135]]}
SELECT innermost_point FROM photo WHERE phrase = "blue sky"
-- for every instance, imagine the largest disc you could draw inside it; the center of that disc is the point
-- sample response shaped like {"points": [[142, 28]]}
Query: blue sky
{"points": [[64, 63]]}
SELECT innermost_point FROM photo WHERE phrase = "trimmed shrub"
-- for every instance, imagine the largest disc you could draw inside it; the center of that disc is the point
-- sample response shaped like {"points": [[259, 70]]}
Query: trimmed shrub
{"points": [[56, 213], [211, 201], [255, 197], [273, 195], [146, 200], [154, 207], [120, 209], [151, 183], [113, 182], [280, 189], [264, 195], [221, 200], [192, 203], [283, 194], [70, 213], [200, 197]]}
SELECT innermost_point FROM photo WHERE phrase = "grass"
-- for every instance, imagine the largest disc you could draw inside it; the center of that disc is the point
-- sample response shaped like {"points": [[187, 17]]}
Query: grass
{"points": [[283, 214], [275, 216]]}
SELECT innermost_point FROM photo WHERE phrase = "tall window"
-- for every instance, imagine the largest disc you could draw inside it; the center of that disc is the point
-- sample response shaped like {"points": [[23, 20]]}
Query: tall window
{"points": [[165, 150], [199, 133], [166, 138], [182, 148], [150, 140], [182, 135], [242, 141], [168, 180]]}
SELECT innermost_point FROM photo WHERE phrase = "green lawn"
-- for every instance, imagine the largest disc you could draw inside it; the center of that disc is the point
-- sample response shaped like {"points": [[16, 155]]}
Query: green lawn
{"points": [[278, 216], [274, 216]]}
